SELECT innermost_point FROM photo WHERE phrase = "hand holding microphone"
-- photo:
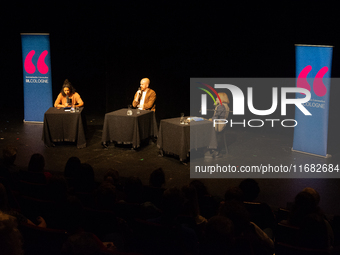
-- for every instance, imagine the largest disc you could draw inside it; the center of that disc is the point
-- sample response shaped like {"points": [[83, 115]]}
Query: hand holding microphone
{"points": [[67, 101], [139, 93]]}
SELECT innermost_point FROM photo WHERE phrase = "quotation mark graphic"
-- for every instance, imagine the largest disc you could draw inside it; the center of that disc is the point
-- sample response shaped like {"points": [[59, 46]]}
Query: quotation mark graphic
{"points": [[318, 86], [29, 66]]}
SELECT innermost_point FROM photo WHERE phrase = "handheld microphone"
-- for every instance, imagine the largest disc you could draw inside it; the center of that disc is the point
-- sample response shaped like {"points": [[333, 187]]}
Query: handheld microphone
{"points": [[139, 91]]}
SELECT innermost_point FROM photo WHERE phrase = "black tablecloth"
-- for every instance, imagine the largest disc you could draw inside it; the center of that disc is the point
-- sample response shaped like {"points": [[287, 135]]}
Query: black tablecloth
{"points": [[64, 126], [177, 139], [129, 129]]}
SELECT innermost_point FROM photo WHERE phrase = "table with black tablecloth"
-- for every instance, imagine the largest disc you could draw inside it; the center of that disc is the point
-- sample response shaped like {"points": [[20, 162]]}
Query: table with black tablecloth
{"points": [[129, 129], [177, 139], [64, 126]]}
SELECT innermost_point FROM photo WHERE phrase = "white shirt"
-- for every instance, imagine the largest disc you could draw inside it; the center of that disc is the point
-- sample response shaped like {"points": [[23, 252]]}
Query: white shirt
{"points": [[141, 103]]}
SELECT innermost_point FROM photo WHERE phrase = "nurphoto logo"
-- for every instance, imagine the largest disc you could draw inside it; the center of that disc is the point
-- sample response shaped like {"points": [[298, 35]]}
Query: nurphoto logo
{"points": [[239, 104]]}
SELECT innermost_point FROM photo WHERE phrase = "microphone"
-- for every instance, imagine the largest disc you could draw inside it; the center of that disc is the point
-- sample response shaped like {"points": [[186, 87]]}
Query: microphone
{"points": [[139, 91], [67, 100]]}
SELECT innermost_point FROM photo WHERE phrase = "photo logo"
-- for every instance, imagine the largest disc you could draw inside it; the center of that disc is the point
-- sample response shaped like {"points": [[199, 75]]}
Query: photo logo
{"points": [[318, 86], [204, 97], [238, 102], [30, 67]]}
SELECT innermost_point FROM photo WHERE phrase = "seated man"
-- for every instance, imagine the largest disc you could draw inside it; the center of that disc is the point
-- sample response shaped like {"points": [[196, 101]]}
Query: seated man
{"points": [[145, 97]]}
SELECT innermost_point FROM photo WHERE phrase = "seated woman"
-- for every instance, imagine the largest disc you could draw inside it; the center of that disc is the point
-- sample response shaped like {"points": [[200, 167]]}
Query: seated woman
{"points": [[68, 96]]}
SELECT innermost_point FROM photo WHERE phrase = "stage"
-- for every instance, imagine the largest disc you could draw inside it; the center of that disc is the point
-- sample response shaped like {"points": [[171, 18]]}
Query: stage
{"points": [[245, 145]]}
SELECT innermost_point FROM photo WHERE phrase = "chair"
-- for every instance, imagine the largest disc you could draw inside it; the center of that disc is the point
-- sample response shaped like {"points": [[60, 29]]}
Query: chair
{"points": [[100, 222], [286, 234], [312, 236], [12, 200], [6, 176], [129, 211], [31, 189], [261, 214], [153, 194], [153, 238], [282, 214], [286, 249], [87, 199], [33, 207], [42, 241], [36, 177]]}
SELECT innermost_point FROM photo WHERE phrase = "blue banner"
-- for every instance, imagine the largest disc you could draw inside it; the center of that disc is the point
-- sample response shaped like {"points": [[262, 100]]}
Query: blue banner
{"points": [[313, 72], [36, 76]]}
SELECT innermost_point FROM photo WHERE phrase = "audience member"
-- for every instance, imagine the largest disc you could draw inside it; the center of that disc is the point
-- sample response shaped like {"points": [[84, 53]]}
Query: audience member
{"points": [[172, 205], [314, 193], [112, 176], [36, 170], [8, 169], [85, 243], [191, 214], [106, 196], [37, 164], [218, 237], [68, 215], [84, 181], [57, 188], [207, 203], [154, 191], [5, 207], [133, 190], [191, 207], [246, 232], [157, 178], [9, 154], [260, 212], [72, 167], [314, 231], [10, 237], [250, 189], [234, 193]]}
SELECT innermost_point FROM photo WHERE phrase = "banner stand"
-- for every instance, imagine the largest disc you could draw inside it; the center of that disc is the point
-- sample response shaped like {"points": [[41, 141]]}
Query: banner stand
{"points": [[311, 154], [32, 122], [37, 78], [313, 73]]}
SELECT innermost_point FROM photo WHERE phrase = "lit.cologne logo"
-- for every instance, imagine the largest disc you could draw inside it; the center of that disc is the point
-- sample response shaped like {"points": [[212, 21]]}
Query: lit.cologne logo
{"points": [[318, 86], [30, 67]]}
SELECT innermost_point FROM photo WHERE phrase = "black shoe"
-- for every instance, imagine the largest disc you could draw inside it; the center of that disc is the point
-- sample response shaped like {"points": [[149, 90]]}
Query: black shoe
{"points": [[218, 154]]}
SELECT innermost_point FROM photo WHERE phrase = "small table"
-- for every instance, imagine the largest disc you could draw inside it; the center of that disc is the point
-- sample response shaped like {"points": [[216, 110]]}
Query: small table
{"points": [[64, 126], [177, 139], [129, 129]]}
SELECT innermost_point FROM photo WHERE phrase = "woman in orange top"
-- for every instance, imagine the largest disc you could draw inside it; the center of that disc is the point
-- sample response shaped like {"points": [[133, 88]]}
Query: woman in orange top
{"points": [[68, 96]]}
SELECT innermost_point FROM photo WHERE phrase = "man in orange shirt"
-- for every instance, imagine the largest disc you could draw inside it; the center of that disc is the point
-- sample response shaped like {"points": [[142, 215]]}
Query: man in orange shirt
{"points": [[145, 97]]}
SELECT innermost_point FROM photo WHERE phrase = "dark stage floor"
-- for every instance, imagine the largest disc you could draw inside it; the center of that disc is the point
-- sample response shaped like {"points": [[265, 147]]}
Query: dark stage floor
{"points": [[246, 146]]}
